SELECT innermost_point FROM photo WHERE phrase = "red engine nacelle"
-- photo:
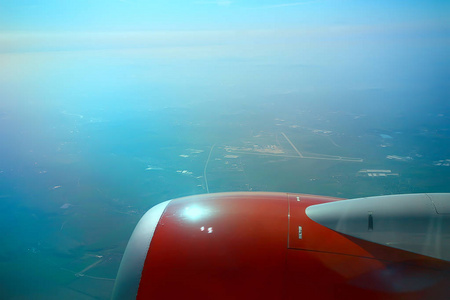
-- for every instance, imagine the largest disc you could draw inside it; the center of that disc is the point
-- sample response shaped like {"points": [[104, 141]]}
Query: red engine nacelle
{"points": [[289, 246]]}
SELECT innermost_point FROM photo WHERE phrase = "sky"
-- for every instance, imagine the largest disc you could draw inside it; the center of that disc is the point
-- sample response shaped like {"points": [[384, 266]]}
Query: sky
{"points": [[60, 56], [130, 15], [401, 42]]}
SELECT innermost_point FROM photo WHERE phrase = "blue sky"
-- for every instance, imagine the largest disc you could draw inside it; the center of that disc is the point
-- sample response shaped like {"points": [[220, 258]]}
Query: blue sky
{"points": [[242, 49], [85, 15]]}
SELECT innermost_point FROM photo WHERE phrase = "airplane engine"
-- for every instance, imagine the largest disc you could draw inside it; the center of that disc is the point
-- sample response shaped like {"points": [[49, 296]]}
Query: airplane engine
{"points": [[289, 246]]}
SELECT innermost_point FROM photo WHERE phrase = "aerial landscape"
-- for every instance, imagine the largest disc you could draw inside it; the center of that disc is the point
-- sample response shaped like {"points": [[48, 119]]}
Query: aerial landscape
{"points": [[102, 118]]}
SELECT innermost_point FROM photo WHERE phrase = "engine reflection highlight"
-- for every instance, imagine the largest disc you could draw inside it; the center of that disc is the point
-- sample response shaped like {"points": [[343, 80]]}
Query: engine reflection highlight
{"points": [[194, 213]]}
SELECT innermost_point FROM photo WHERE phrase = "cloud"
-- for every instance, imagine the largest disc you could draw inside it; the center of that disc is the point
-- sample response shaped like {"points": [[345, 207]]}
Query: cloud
{"points": [[289, 4], [218, 3], [79, 41], [219, 43]]}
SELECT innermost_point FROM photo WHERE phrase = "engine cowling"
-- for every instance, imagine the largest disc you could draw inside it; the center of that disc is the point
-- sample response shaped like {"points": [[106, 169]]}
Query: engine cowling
{"points": [[288, 246]]}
